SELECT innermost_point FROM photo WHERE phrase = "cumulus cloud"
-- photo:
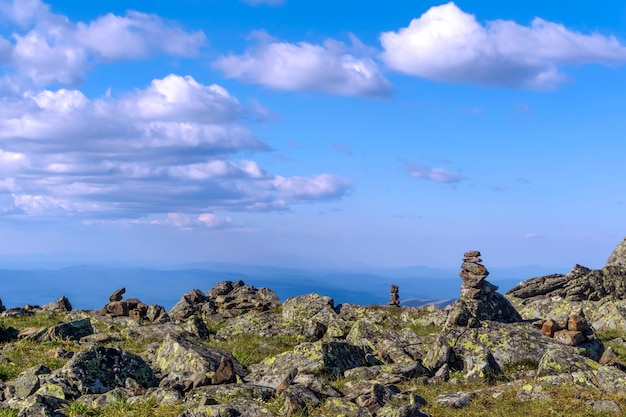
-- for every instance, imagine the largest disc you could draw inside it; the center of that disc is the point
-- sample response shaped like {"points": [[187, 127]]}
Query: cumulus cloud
{"points": [[136, 35], [437, 174], [47, 48], [330, 68], [176, 146], [318, 187], [447, 44]]}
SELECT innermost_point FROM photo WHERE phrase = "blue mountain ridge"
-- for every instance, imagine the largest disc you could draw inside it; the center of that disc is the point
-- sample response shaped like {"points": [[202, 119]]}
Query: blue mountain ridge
{"points": [[89, 286]]}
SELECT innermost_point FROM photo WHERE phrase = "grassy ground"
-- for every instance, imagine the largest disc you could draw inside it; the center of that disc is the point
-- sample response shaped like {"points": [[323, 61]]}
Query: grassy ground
{"points": [[18, 355]]}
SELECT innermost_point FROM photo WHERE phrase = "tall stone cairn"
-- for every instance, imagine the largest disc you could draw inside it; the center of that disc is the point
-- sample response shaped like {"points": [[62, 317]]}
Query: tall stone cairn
{"points": [[474, 275], [479, 299]]}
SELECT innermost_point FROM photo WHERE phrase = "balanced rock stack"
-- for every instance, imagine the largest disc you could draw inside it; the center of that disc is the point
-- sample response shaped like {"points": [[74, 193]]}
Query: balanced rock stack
{"points": [[474, 275], [479, 299], [117, 307]]}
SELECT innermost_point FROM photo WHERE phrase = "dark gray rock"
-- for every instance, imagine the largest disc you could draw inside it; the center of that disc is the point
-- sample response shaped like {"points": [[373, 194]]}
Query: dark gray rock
{"points": [[319, 358], [73, 330], [117, 295], [100, 369]]}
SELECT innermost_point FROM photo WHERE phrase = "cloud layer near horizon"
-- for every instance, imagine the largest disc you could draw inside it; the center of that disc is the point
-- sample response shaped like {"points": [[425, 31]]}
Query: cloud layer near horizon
{"points": [[172, 152], [172, 147]]}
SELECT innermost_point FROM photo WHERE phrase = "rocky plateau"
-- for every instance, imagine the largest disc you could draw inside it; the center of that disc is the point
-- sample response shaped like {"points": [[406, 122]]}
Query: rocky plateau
{"points": [[237, 350]]}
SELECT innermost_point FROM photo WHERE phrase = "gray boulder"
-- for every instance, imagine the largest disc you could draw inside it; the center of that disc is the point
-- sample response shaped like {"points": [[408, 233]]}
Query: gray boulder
{"points": [[62, 305], [180, 355], [101, 369], [319, 358]]}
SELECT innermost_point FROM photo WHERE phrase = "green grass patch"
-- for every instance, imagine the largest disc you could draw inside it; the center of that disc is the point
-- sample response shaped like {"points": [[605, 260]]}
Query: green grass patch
{"points": [[122, 408], [35, 320], [24, 354], [249, 349]]}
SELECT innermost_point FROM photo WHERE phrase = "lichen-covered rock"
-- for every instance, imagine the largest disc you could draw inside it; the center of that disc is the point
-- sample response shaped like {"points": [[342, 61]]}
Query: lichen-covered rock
{"points": [[188, 304], [157, 314], [265, 324], [345, 408], [73, 330], [241, 407], [319, 358], [380, 335], [482, 367], [297, 310], [100, 369], [508, 343], [62, 305], [28, 382], [579, 284], [235, 298], [492, 306], [454, 399], [178, 354]]}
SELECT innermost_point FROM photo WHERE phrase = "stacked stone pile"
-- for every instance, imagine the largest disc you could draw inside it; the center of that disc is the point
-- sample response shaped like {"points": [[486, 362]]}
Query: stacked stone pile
{"points": [[479, 299], [474, 275], [133, 308], [574, 332]]}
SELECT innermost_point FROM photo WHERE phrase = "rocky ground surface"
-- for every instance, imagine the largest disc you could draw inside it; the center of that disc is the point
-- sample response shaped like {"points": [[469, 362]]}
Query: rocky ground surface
{"points": [[551, 347]]}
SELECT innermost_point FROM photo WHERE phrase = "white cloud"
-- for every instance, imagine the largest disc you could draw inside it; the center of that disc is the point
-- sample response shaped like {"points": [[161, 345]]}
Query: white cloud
{"points": [[440, 175], [23, 12], [212, 221], [173, 147], [318, 187], [186, 222], [533, 235], [47, 48], [330, 68], [136, 35], [447, 44]]}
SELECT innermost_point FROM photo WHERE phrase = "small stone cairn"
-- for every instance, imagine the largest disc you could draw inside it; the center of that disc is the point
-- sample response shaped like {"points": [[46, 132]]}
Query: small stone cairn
{"points": [[574, 332], [116, 307], [479, 299], [394, 298]]}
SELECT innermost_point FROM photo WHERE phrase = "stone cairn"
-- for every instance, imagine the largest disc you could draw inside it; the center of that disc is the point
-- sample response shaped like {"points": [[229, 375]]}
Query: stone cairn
{"points": [[574, 332], [474, 275], [394, 298], [479, 299], [116, 307]]}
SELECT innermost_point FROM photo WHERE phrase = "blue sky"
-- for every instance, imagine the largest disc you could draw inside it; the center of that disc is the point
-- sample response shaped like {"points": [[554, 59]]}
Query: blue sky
{"points": [[334, 132]]}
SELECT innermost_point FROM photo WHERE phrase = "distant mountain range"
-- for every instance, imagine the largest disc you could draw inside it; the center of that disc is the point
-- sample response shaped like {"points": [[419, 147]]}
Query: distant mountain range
{"points": [[89, 286]]}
